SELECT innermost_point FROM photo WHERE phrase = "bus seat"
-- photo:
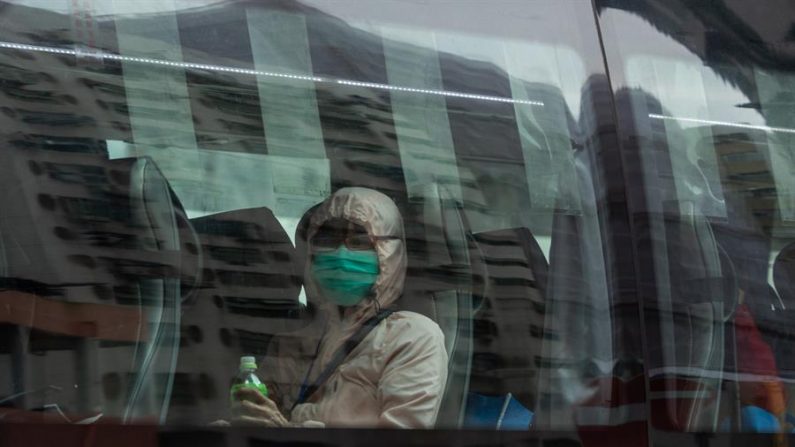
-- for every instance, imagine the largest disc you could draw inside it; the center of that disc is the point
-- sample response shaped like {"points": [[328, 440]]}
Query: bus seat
{"points": [[694, 320], [191, 254], [784, 275], [250, 261], [100, 218], [509, 326], [576, 365], [779, 329], [92, 253], [154, 213], [445, 281], [248, 292]]}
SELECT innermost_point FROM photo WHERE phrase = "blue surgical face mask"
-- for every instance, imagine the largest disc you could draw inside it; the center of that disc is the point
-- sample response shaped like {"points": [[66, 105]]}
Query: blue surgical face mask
{"points": [[345, 276]]}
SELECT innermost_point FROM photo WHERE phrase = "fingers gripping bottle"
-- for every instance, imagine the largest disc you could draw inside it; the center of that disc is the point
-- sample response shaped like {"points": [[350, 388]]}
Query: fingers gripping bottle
{"points": [[246, 378]]}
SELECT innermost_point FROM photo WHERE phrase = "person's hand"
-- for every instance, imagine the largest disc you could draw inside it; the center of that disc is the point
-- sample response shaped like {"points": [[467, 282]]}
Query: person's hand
{"points": [[252, 408]]}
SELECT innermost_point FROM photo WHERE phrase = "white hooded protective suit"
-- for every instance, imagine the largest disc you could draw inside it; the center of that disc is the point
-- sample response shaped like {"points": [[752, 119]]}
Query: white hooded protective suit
{"points": [[396, 376]]}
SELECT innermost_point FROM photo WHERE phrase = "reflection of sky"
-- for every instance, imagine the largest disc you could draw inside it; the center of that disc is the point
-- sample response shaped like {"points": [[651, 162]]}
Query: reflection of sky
{"points": [[497, 34], [107, 7], [532, 62], [636, 37], [507, 19]]}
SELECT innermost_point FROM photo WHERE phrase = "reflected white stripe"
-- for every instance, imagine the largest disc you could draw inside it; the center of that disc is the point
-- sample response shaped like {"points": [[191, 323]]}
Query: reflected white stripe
{"points": [[225, 69], [143, 60], [722, 123], [692, 373], [438, 92]]}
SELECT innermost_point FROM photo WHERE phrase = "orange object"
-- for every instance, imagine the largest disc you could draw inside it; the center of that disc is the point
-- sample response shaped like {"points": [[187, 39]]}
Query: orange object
{"points": [[759, 378], [86, 320]]}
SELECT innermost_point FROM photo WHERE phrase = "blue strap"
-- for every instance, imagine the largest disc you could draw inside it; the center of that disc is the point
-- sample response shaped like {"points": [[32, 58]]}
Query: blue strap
{"points": [[350, 344]]}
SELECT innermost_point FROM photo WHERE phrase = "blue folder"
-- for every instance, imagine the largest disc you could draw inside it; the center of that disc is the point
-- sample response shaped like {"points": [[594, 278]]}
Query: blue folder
{"points": [[755, 420], [501, 412]]}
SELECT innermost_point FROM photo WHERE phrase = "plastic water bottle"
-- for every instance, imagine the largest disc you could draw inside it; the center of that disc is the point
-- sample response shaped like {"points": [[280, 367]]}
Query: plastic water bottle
{"points": [[246, 378]]}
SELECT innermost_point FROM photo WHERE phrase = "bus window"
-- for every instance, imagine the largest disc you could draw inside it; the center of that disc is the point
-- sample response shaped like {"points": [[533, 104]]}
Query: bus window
{"points": [[713, 148], [181, 176]]}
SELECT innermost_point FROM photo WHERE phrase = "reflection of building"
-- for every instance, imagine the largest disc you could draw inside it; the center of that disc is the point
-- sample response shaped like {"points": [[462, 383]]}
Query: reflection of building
{"points": [[746, 175], [727, 35], [59, 111]]}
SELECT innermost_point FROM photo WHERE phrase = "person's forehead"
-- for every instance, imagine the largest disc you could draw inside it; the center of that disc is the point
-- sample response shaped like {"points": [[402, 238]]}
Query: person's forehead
{"points": [[341, 225]]}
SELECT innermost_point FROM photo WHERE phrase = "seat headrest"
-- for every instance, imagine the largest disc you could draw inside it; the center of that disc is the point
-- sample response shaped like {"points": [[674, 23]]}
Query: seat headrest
{"points": [[514, 262], [442, 253], [437, 240], [249, 261], [159, 208], [91, 229]]}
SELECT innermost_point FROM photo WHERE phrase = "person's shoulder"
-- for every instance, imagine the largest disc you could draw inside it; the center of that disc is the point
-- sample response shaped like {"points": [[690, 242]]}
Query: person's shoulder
{"points": [[415, 323]]}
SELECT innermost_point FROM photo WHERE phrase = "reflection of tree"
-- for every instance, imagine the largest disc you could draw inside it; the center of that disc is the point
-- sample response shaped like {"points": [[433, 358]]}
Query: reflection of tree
{"points": [[730, 44]]}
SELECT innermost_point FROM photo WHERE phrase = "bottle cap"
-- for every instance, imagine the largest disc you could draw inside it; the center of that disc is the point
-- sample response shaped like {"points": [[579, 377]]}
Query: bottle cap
{"points": [[248, 362]]}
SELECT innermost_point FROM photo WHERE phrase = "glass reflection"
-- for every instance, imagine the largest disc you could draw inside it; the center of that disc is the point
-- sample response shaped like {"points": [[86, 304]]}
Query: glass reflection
{"points": [[162, 162], [710, 131]]}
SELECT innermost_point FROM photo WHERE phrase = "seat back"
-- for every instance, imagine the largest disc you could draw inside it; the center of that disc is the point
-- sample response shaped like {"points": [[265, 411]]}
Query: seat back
{"points": [[91, 276], [784, 274], [577, 338], [782, 302], [688, 329], [250, 263], [248, 293], [154, 212], [445, 281], [509, 327]]}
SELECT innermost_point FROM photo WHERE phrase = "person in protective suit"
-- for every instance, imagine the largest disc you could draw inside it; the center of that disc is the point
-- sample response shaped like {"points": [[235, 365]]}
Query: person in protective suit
{"points": [[374, 367]]}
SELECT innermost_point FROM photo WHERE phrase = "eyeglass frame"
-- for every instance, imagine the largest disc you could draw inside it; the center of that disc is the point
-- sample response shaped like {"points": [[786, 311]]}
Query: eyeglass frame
{"points": [[345, 241]]}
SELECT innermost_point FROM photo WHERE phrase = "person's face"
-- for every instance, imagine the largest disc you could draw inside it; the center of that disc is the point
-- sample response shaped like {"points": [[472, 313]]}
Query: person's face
{"points": [[337, 232], [344, 262]]}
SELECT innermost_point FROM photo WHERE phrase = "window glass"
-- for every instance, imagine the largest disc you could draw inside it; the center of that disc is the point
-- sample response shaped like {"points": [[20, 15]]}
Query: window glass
{"points": [[169, 166], [712, 135]]}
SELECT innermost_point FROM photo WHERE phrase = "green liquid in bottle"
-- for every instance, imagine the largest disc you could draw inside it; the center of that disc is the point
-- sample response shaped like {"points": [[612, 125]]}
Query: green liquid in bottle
{"points": [[257, 386]]}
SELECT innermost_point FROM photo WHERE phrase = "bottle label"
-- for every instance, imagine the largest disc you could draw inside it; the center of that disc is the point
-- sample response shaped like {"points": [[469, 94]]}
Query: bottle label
{"points": [[257, 386]]}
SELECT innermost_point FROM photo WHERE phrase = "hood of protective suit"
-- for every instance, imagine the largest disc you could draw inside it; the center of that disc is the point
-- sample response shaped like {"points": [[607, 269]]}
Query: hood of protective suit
{"points": [[380, 217]]}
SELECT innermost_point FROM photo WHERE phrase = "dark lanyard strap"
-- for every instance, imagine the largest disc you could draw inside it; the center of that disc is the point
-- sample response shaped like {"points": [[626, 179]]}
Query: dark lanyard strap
{"points": [[350, 344]]}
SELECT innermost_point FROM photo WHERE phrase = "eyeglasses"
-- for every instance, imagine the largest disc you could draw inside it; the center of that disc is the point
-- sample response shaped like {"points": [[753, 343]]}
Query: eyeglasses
{"points": [[337, 232], [330, 241]]}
